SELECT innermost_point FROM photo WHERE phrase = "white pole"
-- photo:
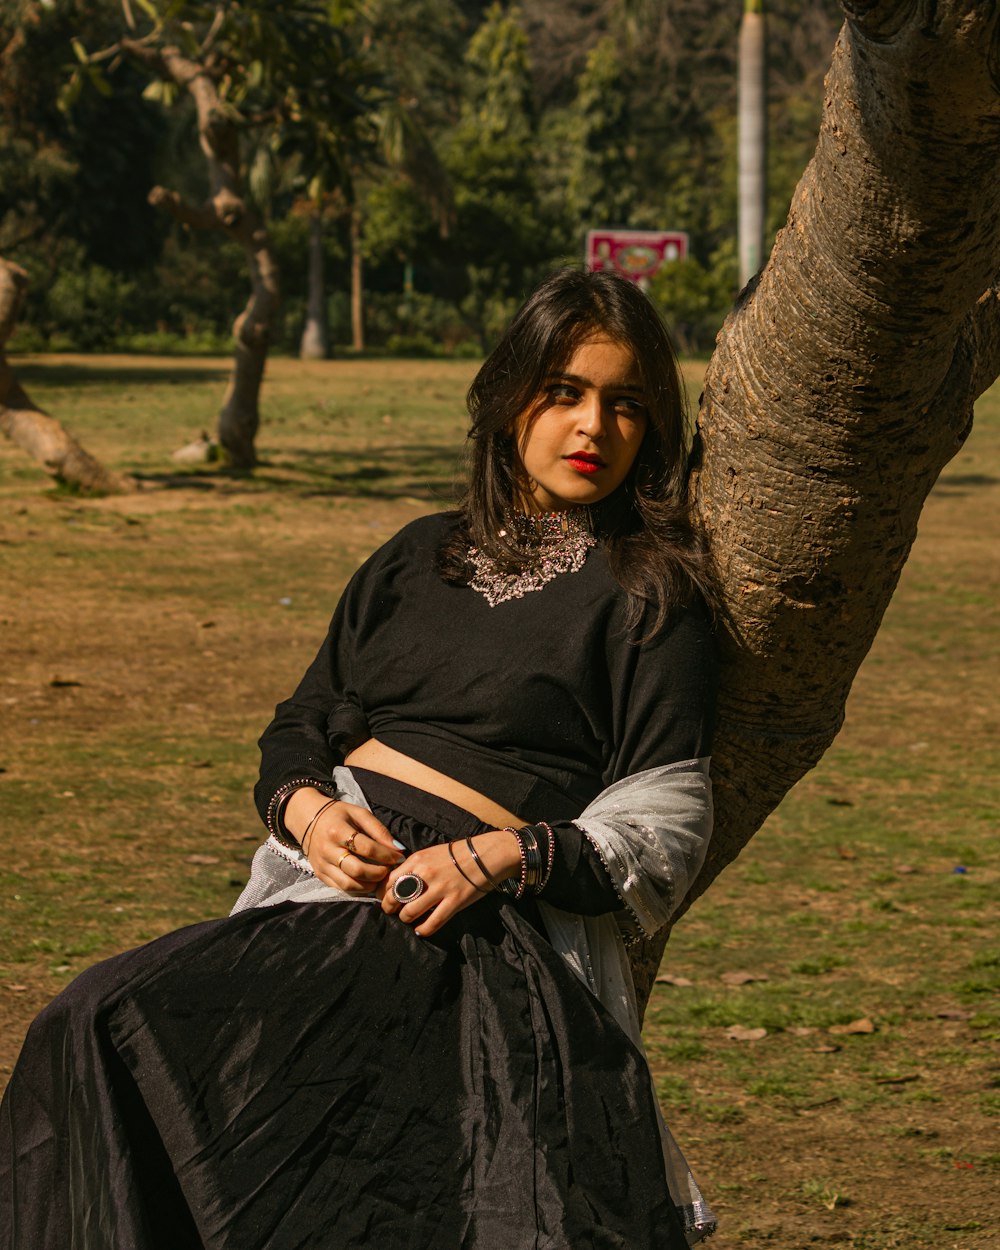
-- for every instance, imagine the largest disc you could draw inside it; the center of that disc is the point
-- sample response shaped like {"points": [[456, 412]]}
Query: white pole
{"points": [[752, 139]]}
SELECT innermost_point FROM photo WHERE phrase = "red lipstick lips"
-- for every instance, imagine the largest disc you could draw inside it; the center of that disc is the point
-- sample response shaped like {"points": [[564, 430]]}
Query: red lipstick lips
{"points": [[584, 461]]}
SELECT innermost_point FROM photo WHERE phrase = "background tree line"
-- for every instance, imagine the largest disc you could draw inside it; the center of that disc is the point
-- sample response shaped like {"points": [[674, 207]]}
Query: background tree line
{"points": [[454, 149]]}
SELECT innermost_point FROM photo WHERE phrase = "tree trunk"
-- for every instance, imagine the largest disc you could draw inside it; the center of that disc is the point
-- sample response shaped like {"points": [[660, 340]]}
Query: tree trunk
{"points": [[357, 292], [34, 431], [842, 384], [239, 416], [227, 210], [315, 343], [752, 138]]}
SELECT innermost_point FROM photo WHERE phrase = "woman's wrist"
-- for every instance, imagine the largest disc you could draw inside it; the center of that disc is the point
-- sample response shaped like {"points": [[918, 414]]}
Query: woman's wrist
{"points": [[499, 851], [536, 853], [301, 808]]}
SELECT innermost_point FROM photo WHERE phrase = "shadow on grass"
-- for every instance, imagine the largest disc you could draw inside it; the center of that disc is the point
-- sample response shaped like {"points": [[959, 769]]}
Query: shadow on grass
{"points": [[961, 483], [426, 471], [42, 374]]}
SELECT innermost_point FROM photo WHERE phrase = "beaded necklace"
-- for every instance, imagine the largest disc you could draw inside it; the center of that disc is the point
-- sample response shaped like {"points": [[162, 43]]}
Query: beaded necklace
{"points": [[550, 543]]}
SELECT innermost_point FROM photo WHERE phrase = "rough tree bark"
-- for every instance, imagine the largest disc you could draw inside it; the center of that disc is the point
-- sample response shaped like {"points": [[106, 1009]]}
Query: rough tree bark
{"points": [[841, 385], [225, 209], [33, 430]]}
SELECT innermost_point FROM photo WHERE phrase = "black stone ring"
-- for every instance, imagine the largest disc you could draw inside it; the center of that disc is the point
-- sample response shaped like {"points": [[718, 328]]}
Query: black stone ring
{"points": [[408, 887]]}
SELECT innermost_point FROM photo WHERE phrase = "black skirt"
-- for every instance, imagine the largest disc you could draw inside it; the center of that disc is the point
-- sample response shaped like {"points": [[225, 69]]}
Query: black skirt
{"points": [[316, 1077]]}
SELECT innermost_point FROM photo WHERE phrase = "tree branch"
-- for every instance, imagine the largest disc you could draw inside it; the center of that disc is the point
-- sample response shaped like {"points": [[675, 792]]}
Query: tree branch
{"points": [[842, 383], [33, 430], [197, 216], [213, 31]]}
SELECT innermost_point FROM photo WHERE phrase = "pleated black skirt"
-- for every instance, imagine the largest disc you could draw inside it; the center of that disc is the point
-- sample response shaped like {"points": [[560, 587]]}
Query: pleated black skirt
{"points": [[316, 1077]]}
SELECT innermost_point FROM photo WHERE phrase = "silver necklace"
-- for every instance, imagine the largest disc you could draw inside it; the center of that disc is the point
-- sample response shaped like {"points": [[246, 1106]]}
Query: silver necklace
{"points": [[551, 543]]}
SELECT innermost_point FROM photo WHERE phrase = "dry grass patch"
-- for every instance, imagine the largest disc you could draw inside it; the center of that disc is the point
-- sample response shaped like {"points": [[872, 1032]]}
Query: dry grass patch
{"points": [[146, 639]]}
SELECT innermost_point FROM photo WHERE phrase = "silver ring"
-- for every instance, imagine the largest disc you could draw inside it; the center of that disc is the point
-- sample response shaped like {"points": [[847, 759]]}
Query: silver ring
{"points": [[408, 887]]}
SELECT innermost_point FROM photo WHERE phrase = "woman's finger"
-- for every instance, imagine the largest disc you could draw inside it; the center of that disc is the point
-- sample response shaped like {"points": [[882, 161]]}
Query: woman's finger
{"points": [[439, 916], [350, 865], [363, 844], [381, 845], [330, 874]]}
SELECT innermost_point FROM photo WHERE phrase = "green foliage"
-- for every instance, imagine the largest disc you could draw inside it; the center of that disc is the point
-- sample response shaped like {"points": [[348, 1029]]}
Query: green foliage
{"points": [[498, 107], [90, 306], [601, 184], [480, 142], [694, 299]]}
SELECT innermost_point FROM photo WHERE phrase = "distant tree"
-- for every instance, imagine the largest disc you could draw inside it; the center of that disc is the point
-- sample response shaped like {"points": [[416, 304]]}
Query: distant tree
{"points": [[47, 215], [501, 234], [58, 172], [599, 152], [409, 50], [245, 65]]}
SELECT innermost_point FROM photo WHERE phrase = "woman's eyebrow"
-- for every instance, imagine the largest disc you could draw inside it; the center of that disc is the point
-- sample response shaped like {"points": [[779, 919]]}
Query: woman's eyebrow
{"points": [[611, 386]]}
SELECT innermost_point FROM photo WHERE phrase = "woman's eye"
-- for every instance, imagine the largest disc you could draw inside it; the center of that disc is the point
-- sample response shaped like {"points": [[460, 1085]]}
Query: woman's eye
{"points": [[626, 407], [561, 393]]}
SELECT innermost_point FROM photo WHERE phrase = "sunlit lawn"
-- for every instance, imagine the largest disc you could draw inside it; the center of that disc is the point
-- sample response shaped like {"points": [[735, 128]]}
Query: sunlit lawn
{"points": [[146, 639]]}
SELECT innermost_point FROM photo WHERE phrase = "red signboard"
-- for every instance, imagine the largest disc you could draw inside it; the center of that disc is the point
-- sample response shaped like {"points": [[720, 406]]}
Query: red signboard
{"points": [[634, 254]]}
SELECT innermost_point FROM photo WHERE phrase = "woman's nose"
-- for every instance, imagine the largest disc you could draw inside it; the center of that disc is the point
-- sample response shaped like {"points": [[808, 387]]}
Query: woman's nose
{"points": [[591, 416]]}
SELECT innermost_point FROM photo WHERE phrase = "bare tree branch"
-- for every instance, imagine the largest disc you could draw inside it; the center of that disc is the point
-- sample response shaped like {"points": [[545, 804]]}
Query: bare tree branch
{"points": [[213, 31], [198, 216]]}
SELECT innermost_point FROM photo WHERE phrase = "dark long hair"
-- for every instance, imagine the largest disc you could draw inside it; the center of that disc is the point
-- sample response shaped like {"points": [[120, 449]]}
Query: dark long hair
{"points": [[652, 550]]}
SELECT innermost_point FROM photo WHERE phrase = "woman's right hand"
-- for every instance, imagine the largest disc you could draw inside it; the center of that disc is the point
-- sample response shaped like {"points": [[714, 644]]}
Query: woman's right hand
{"points": [[347, 846]]}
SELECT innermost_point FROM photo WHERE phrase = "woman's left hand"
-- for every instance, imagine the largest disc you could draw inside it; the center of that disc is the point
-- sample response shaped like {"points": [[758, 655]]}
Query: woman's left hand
{"points": [[447, 892]]}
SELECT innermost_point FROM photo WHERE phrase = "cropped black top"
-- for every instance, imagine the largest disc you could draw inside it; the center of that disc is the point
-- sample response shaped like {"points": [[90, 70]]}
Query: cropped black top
{"points": [[539, 703]]}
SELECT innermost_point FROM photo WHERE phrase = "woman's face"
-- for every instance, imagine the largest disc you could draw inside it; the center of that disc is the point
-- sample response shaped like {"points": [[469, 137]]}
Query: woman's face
{"points": [[581, 445]]}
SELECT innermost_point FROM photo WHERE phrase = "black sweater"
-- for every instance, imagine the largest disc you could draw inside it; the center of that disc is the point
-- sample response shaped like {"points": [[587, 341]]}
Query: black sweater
{"points": [[539, 703]]}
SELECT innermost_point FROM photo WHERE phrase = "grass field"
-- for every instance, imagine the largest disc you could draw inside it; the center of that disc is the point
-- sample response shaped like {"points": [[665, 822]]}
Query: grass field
{"points": [[844, 1091]]}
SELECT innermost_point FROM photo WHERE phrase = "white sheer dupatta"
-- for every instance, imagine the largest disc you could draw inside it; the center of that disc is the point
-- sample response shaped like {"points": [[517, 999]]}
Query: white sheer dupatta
{"points": [[651, 832]]}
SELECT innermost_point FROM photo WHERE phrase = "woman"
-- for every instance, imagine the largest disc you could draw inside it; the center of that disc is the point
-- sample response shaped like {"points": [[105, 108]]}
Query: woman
{"points": [[419, 1026]]}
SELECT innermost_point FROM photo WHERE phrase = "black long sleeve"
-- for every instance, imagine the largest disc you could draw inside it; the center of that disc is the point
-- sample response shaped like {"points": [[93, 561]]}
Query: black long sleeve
{"points": [[540, 702]]}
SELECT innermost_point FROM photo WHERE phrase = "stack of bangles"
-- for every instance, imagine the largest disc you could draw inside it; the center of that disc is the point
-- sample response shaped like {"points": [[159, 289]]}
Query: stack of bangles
{"points": [[533, 876], [276, 808]]}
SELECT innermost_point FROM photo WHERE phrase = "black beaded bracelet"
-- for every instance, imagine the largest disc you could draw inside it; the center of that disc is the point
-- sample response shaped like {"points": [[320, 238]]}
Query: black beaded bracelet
{"points": [[275, 808], [550, 855]]}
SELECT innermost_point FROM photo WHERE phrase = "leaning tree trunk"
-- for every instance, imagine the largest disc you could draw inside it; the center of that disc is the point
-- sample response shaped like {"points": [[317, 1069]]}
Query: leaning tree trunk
{"points": [[225, 209], [33, 430], [315, 343], [843, 382]]}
